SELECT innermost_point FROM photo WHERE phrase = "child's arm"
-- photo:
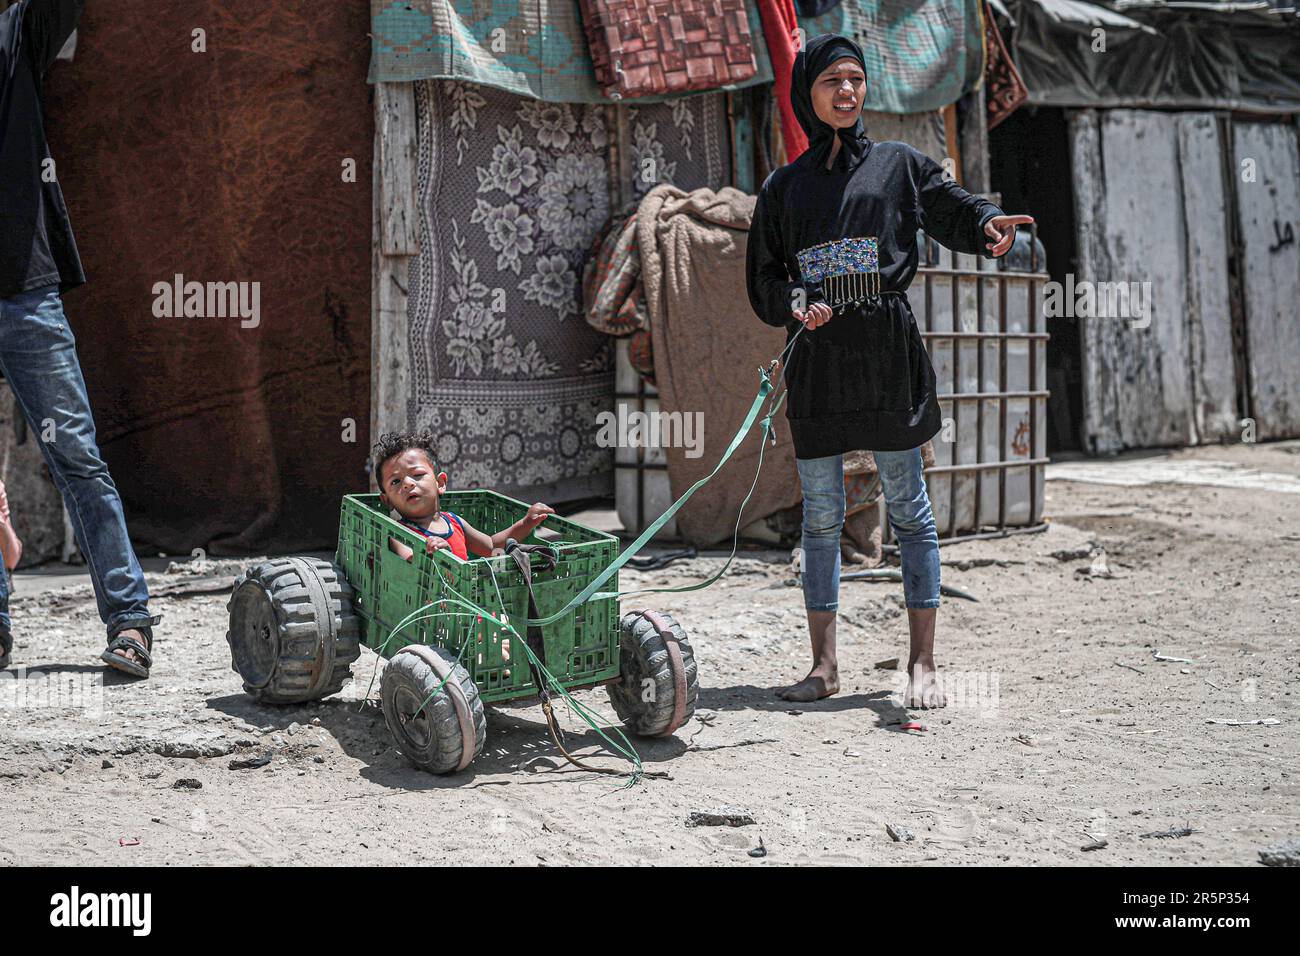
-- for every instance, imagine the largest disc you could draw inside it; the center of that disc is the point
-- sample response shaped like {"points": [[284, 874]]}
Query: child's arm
{"points": [[478, 542], [524, 526], [11, 548], [431, 544]]}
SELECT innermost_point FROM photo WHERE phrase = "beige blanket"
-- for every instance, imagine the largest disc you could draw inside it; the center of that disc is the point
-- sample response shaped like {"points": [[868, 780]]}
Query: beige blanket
{"points": [[708, 346]]}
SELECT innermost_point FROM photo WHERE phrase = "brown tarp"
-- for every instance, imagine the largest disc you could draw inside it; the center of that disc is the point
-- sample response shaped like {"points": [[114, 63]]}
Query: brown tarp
{"points": [[708, 346], [225, 165]]}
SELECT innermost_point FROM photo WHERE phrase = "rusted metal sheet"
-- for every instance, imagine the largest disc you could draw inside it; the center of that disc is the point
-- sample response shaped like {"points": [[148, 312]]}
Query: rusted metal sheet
{"points": [[1269, 220], [247, 163]]}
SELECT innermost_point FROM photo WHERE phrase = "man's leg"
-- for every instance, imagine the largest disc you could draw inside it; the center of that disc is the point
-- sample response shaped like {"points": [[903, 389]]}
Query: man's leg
{"points": [[38, 355], [6, 634], [903, 482], [823, 519]]}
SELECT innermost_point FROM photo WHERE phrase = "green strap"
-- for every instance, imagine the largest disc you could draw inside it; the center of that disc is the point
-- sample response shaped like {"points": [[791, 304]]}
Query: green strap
{"points": [[735, 537], [765, 387]]}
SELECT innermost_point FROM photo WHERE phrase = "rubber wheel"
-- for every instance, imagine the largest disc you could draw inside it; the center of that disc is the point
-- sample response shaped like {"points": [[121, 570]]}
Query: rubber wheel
{"points": [[293, 635], [429, 737], [644, 664]]}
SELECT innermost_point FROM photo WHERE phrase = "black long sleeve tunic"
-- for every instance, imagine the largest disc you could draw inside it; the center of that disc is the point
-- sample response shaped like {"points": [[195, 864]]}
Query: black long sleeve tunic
{"points": [[848, 238]]}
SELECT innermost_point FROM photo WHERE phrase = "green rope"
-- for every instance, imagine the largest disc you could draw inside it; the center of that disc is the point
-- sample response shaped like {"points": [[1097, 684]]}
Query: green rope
{"points": [[411, 619], [581, 709], [765, 387], [735, 537]]}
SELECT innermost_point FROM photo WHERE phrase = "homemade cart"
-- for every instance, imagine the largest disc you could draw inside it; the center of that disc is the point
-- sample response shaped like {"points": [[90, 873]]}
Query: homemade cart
{"points": [[297, 624]]}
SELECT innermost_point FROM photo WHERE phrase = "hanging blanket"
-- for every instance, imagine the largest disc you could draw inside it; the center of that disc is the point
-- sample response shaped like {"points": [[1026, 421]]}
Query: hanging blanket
{"points": [[513, 193], [611, 280], [779, 29], [708, 347], [645, 47], [529, 47]]}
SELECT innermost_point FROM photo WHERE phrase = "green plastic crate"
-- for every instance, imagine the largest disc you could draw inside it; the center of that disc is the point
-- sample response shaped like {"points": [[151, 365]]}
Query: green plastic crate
{"points": [[581, 647]]}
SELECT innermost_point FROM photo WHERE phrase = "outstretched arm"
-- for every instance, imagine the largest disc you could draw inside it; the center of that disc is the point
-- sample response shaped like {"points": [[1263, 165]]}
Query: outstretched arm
{"points": [[48, 24], [524, 526], [958, 219]]}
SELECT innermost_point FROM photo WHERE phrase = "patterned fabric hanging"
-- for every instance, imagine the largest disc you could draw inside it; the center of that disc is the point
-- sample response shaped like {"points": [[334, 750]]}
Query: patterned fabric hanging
{"points": [[513, 192], [529, 47], [650, 47], [1006, 90]]}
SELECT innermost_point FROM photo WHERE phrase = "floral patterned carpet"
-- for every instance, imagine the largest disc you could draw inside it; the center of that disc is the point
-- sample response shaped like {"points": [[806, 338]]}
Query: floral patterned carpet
{"points": [[506, 372]]}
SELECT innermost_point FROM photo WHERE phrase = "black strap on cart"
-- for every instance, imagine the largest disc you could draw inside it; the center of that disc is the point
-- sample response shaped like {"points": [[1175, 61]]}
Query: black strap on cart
{"points": [[522, 553]]}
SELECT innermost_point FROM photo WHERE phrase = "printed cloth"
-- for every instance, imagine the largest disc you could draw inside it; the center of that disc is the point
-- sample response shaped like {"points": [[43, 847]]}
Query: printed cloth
{"points": [[513, 193], [528, 47]]}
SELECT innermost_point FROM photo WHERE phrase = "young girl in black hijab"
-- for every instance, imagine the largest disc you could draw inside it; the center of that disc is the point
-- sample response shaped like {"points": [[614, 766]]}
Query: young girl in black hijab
{"points": [[832, 247]]}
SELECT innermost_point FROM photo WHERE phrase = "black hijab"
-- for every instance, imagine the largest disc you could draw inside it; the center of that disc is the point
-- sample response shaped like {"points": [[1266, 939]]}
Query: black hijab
{"points": [[819, 53]]}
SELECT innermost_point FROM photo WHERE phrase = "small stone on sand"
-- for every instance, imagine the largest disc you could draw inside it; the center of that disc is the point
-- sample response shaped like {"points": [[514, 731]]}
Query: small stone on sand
{"points": [[728, 816], [899, 833]]}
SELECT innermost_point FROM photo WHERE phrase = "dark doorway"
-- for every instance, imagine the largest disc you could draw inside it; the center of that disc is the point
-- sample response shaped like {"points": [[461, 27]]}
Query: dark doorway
{"points": [[1029, 164]]}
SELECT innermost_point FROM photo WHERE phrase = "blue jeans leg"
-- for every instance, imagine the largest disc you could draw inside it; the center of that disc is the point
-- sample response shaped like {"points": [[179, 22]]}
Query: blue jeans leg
{"points": [[38, 355], [902, 480], [823, 519]]}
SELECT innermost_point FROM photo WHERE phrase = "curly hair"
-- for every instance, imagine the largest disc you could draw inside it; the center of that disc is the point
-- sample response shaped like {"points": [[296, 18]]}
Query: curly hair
{"points": [[393, 444]]}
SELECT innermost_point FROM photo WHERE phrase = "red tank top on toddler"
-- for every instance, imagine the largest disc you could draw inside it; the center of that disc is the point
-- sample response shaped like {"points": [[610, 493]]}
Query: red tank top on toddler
{"points": [[456, 537]]}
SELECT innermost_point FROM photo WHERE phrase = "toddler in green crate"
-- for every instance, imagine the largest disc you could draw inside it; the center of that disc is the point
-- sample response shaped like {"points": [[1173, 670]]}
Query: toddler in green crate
{"points": [[410, 484]]}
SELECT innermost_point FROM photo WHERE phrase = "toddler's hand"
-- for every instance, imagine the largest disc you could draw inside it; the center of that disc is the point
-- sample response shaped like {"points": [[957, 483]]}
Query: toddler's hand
{"points": [[435, 543], [537, 514]]}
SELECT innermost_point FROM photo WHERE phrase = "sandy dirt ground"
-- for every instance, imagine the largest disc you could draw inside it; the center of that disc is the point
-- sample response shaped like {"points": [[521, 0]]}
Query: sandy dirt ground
{"points": [[1064, 728]]}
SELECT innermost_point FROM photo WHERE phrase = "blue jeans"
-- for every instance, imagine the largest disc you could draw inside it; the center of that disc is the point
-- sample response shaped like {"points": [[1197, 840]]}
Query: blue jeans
{"points": [[38, 356], [4, 599], [908, 505]]}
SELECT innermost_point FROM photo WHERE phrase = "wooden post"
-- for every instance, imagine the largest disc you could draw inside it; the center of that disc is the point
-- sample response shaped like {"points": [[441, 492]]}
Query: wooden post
{"points": [[974, 142], [950, 140], [740, 117], [396, 240]]}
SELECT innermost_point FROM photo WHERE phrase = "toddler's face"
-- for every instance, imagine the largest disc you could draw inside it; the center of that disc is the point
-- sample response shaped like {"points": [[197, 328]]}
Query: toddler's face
{"points": [[410, 486]]}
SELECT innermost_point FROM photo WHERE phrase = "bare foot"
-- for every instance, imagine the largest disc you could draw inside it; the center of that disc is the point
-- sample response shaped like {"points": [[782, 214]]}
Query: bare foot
{"points": [[128, 654], [822, 681], [924, 686]]}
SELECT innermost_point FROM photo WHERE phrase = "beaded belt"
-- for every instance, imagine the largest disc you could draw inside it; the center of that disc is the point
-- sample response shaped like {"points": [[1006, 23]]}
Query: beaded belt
{"points": [[847, 270]]}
